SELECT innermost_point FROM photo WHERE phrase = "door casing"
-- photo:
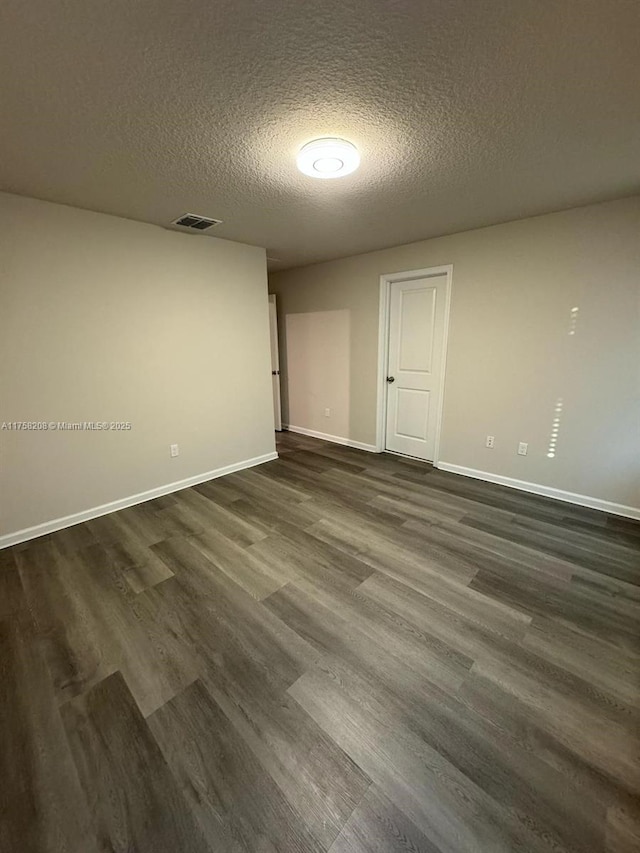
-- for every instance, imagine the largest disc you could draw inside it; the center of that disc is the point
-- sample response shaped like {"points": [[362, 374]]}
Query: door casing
{"points": [[386, 281]]}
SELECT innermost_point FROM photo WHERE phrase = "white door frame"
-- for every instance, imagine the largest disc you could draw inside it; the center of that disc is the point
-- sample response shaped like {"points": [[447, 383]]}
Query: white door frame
{"points": [[386, 281]]}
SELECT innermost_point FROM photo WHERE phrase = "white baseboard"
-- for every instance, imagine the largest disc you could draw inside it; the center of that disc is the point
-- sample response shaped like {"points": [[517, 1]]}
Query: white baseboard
{"points": [[86, 515], [336, 439], [545, 491]]}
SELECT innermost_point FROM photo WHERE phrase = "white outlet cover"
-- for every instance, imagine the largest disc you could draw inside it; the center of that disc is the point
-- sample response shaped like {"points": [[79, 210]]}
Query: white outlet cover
{"points": [[523, 447]]}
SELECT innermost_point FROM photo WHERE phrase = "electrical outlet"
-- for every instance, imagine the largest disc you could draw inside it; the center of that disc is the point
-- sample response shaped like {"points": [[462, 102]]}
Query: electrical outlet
{"points": [[523, 447], [489, 442], [327, 413], [174, 450]]}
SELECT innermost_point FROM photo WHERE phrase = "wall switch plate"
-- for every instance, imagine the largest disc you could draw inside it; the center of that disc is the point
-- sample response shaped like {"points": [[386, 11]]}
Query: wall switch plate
{"points": [[523, 447], [327, 413], [174, 450], [490, 440]]}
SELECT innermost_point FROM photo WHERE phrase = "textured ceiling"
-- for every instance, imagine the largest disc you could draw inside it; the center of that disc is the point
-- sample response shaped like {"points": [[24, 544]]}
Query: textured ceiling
{"points": [[466, 112]]}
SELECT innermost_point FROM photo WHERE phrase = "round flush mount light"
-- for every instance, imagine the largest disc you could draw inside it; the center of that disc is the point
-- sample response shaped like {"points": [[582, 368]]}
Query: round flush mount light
{"points": [[328, 158]]}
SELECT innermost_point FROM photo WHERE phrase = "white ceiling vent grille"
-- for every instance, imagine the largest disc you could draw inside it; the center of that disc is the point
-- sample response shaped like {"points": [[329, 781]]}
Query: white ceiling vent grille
{"points": [[195, 222]]}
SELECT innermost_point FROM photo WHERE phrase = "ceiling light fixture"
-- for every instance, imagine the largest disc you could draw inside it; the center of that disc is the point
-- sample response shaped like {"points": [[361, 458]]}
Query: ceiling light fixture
{"points": [[328, 158]]}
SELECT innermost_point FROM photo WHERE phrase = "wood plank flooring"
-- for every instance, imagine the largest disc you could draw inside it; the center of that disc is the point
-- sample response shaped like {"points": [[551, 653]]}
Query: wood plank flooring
{"points": [[336, 652]]}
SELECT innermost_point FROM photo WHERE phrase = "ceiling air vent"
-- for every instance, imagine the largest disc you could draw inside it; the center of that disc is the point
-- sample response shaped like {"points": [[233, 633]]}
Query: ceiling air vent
{"points": [[195, 222]]}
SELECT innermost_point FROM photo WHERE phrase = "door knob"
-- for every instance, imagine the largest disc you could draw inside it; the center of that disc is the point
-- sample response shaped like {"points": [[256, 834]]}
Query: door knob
{"points": [[391, 378]]}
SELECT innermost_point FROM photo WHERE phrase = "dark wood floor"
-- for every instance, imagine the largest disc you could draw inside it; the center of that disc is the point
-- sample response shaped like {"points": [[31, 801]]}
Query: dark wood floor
{"points": [[336, 651]]}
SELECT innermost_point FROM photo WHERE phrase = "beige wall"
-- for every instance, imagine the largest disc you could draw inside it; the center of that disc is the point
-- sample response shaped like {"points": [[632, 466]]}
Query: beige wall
{"points": [[318, 346], [510, 354], [112, 320]]}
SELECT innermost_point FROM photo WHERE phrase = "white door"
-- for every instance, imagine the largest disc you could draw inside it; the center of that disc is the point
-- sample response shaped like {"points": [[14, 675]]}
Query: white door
{"points": [[275, 362], [416, 332]]}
